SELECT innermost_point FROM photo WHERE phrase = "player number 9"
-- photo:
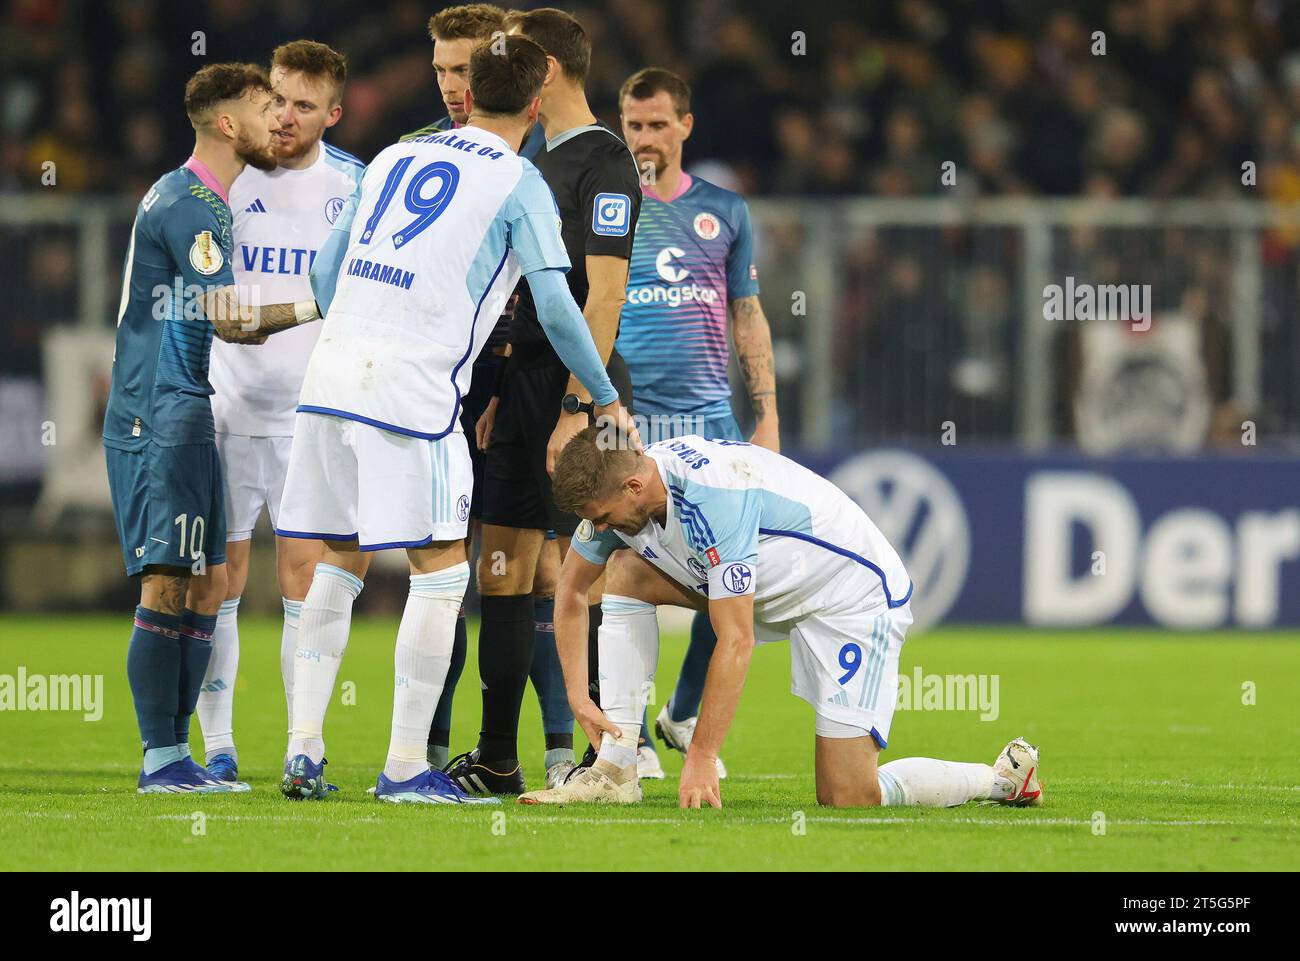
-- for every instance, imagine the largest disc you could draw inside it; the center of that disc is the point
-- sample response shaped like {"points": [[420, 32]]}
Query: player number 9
{"points": [[850, 660]]}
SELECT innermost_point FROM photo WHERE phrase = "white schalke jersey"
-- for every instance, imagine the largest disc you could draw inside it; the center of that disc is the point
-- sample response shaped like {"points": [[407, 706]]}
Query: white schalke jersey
{"points": [[282, 218], [443, 228], [743, 520]]}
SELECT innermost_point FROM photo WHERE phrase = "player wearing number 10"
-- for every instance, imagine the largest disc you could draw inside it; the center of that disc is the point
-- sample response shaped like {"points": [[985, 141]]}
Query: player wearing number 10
{"points": [[436, 239], [163, 471]]}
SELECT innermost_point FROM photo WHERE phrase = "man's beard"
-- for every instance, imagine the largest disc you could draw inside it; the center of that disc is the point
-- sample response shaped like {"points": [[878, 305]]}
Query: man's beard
{"points": [[655, 158], [299, 149], [260, 157]]}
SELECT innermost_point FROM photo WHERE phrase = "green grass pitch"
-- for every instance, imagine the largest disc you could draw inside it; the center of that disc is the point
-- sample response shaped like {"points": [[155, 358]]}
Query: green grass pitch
{"points": [[1147, 728]]}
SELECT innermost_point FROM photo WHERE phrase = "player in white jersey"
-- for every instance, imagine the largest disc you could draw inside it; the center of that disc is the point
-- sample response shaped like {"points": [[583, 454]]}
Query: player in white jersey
{"points": [[281, 219], [437, 237], [770, 550]]}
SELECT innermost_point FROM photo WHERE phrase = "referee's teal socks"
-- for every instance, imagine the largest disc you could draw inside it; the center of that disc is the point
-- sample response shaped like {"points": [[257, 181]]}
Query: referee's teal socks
{"points": [[153, 669]]}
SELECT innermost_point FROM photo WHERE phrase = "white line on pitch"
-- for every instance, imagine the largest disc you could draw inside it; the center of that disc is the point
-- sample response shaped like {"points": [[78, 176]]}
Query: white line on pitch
{"points": [[816, 819], [684, 822], [1190, 784]]}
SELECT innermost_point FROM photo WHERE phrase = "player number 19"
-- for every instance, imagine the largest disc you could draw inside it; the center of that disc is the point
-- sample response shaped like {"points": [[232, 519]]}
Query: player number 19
{"points": [[428, 209]]}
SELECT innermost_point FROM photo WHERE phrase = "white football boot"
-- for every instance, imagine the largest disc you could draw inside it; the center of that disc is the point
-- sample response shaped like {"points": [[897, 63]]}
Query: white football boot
{"points": [[1018, 763], [602, 783], [677, 735], [647, 764]]}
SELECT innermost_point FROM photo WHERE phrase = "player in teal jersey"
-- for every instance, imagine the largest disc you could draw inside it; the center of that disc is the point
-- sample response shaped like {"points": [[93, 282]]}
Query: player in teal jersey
{"points": [[164, 476], [691, 282]]}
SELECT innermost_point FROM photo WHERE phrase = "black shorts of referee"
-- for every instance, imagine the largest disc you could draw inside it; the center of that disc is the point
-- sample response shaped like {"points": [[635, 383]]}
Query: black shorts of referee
{"points": [[516, 487], [483, 381]]}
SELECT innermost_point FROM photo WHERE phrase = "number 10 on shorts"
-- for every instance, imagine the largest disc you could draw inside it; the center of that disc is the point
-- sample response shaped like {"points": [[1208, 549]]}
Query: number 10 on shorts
{"points": [[195, 531]]}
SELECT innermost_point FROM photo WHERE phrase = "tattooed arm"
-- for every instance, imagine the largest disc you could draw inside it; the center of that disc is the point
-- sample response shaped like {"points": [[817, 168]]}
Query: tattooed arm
{"points": [[753, 338], [240, 324]]}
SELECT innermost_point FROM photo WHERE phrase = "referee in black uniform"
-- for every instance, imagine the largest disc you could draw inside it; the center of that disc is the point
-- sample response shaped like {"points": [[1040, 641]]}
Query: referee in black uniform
{"points": [[598, 194]]}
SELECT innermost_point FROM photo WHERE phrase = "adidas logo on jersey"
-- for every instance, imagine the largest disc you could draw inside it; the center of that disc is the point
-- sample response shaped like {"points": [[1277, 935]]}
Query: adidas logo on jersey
{"points": [[256, 207]]}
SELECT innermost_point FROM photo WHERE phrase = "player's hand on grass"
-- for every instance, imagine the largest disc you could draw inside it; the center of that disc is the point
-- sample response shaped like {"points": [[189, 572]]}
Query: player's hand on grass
{"points": [[767, 433], [617, 414], [699, 782], [594, 722], [483, 429]]}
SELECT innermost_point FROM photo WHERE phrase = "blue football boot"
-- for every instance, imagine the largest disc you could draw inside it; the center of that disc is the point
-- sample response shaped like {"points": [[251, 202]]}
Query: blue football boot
{"points": [[225, 768], [303, 779], [430, 787], [181, 777]]}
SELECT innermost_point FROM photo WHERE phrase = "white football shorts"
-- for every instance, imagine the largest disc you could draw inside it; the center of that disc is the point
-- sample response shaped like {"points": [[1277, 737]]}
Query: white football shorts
{"points": [[254, 469], [351, 481], [844, 662]]}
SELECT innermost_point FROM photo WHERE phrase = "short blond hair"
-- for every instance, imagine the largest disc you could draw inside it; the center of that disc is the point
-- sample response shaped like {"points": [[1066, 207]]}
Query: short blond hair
{"points": [[470, 21], [313, 59], [590, 466]]}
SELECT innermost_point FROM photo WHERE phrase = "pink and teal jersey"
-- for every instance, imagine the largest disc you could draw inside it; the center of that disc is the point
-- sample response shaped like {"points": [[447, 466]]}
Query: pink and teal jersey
{"points": [[181, 247], [693, 253]]}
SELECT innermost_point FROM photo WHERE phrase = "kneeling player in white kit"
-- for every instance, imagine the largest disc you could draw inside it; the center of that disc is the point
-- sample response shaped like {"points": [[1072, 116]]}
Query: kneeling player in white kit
{"points": [[282, 217], [443, 228], [770, 550]]}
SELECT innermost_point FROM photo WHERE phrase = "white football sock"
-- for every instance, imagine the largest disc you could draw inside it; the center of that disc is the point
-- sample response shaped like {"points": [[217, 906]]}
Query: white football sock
{"points": [[217, 695], [322, 638], [288, 649], [926, 782], [420, 662], [622, 752], [628, 656]]}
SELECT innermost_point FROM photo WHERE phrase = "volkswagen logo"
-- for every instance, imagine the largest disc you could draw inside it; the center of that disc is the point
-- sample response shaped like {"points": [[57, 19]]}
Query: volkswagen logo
{"points": [[919, 511]]}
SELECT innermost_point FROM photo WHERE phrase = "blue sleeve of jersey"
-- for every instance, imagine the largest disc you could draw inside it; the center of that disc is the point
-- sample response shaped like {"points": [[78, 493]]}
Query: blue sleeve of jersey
{"points": [[324, 273], [721, 527], [595, 546], [742, 275], [533, 222], [568, 333], [198, 242]]}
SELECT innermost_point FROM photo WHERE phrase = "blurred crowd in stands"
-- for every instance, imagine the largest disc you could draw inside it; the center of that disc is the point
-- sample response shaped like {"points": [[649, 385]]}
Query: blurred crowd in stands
{"points": [[811, 99], [824, 97]]}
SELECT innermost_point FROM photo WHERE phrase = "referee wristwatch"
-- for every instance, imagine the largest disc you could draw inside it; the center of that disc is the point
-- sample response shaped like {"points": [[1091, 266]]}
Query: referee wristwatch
{"points": [[572, 405]]}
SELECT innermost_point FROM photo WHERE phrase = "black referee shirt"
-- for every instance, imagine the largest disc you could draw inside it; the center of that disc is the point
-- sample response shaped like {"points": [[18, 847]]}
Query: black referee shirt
{"points": [[595, 182]]}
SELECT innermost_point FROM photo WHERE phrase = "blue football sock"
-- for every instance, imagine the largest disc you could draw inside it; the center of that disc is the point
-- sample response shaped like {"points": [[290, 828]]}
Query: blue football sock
{"points": [[196, 651], [548, 678], [153, 666], [440, 729], [646, 739], [685, 701], [155, 759]]}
